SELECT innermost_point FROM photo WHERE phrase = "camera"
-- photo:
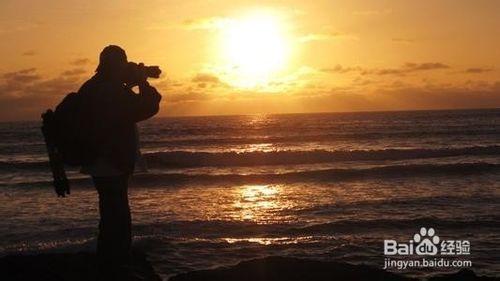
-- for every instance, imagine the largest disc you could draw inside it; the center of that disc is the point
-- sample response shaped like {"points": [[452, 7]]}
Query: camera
{"points": [[138, 72]]}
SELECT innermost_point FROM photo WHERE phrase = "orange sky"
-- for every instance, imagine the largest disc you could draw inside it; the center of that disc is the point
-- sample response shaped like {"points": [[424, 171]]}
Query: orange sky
{"points": [[243, 57]]}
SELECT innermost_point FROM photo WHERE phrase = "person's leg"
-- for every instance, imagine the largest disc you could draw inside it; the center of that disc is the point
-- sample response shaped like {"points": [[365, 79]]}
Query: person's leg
{"points": [[114, 240]]}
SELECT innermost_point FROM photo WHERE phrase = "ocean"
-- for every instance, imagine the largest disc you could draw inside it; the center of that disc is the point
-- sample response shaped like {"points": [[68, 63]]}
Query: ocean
{"points": [[221, 189]]}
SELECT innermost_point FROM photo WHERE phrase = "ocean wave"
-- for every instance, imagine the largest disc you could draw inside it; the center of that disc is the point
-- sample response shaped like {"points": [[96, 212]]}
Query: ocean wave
{"points": [[220, 228], [394, 171], [349, 226], [210, 231], [225, 159], [325, 175], [415, 203], [187, 159], [18, 165], [193, 139]]}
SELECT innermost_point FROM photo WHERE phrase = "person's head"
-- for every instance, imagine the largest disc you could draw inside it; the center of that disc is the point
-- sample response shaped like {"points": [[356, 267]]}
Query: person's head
{"points": [[112, 62]]}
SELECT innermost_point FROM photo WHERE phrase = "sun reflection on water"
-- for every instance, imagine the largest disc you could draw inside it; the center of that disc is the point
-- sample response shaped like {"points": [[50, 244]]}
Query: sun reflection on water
{"points": [[256, 147], [270, 240], [258, 202]]}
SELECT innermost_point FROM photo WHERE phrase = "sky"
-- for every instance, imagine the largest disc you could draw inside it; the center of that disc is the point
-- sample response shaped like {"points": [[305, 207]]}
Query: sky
{"points": [[259, 57]]}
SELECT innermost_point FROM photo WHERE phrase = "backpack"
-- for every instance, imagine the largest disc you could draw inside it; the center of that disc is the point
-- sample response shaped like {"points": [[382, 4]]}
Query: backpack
{"points": [[68, 132]]}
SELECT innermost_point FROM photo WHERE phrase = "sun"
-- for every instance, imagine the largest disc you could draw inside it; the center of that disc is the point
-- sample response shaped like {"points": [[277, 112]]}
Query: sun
{"points": [[254, 49]]}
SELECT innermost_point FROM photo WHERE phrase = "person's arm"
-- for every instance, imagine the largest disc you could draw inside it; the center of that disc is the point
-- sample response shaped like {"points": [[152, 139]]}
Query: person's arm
{"points": [[150, 101], [141, 106]]}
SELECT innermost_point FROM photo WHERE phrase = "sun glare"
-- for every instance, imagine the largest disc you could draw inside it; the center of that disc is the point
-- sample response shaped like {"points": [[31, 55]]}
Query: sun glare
{"points": [[254, 48]]}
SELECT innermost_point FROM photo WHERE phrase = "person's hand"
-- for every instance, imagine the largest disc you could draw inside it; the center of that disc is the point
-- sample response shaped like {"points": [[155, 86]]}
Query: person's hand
{"points": [[141, 74], [154, 71], [135, 75]]}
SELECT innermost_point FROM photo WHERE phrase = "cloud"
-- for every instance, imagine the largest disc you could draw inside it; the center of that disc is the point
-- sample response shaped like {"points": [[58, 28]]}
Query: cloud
{"points": [[403, 98], [372, 12], [80, 61], [340, 69], [13, 26], [24, 94], [210, 23], [360, 81], [29, 53], [188, 96], [477, 70], [326, 36], [314, 37], [407, 68], [403, 40], [21, 76], [74, 72], [363, 94], [204, 80], [440, 97]]}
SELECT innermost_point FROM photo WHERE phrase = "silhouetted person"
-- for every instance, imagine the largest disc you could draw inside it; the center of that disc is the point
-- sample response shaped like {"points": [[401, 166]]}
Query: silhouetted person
{"points": [[113, 110]]}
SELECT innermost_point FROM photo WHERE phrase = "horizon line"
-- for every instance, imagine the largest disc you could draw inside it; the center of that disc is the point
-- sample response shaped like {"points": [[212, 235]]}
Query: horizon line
{"points": [[299, 113]]}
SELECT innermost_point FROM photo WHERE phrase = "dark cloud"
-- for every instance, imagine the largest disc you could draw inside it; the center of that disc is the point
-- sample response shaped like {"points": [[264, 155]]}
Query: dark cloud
{"points": [[29, 53], [80, 61], [332, 35], [475, 70], [210, 23], [385, 71], [372, 12], [188, 96], [177, 84], [410, 66], [403, 40], [432, 97], [205, 78], [74, 72], [404, 98], [24, 94], [407, 68], [340, 69], [360, 81], [21, 76], [382, 97]]}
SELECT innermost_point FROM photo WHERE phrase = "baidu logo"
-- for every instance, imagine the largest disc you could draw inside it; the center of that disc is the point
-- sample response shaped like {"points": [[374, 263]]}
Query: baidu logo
{"points": [[427, 249], [427, 243]]}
